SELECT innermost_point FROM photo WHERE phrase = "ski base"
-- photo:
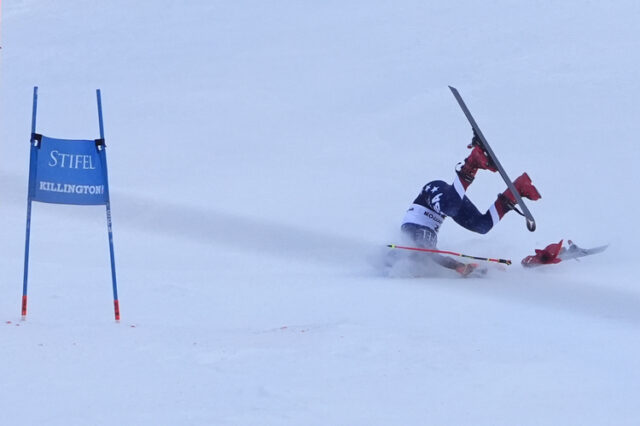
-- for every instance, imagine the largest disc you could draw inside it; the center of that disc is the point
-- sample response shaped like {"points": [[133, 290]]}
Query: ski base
{"points": [[482, 141]]}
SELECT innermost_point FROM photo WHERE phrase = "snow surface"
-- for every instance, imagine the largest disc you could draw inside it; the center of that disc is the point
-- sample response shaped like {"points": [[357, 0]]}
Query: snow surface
{"points": [[262, 154]]}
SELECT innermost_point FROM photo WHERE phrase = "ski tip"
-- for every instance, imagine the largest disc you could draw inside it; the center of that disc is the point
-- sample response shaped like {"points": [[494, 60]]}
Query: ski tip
{"points": [[601, 248], [453, 89], [531, 225]]}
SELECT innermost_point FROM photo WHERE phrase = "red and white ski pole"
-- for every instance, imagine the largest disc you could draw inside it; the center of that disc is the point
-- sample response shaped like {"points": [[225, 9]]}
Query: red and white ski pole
{"points": [[486, 259]]}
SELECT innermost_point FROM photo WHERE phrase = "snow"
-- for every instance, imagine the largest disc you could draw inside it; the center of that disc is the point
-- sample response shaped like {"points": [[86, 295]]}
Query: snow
{"points": [[261, 155]]}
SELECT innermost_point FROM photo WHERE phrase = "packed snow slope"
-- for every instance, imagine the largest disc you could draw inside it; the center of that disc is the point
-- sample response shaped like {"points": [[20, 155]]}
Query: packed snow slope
{"points": [[262, 154]]}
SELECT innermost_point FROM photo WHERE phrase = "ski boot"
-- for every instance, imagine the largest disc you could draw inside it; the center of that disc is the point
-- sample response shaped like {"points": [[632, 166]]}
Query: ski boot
{"points": [[478, 159], [546, 256], [506, 201]]}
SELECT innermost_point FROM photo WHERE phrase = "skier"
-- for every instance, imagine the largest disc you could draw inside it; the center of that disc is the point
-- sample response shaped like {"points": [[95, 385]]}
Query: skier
{"points": [[438, 199]]}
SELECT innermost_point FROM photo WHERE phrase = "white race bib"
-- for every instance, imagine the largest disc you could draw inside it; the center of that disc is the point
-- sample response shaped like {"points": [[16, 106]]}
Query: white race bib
{"points": [[421, 215]]}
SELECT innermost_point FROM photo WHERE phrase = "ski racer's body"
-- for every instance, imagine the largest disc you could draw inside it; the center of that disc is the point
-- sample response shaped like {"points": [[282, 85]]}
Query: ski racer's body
{"points": [[438, 200]]}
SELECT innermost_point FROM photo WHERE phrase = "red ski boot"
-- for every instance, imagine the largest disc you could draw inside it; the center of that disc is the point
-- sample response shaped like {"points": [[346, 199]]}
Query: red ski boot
{"points": [[543, 257], [478, 159], [506, 201], [525, 188]]}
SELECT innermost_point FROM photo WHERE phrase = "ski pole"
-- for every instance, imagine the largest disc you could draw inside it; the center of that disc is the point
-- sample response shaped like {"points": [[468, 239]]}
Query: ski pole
{"points": [[487, 259]]}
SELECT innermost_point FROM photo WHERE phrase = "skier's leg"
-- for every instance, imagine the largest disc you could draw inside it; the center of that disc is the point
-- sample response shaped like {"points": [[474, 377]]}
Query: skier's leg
{"points": [[470, 217]]}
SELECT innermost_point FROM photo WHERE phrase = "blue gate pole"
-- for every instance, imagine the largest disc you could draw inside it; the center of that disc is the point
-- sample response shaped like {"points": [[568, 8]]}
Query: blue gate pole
{"points": [[32, 171], [116, 303]]}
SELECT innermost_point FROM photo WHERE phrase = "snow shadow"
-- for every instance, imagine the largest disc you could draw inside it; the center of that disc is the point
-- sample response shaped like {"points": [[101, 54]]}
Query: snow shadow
{"points": [[266, 237], [566, 289]]}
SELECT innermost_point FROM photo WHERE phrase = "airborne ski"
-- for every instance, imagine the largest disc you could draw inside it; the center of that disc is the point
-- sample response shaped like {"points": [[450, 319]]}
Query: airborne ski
{"points": [[480, 139]]}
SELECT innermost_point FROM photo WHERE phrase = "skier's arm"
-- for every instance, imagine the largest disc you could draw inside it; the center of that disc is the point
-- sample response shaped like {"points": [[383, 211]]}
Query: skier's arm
{"points": [[463, 269], [445, 261]]}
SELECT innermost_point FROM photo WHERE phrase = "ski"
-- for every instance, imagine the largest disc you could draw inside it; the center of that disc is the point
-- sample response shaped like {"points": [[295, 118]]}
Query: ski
{"points": [[531, 223], [574, 252]]}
